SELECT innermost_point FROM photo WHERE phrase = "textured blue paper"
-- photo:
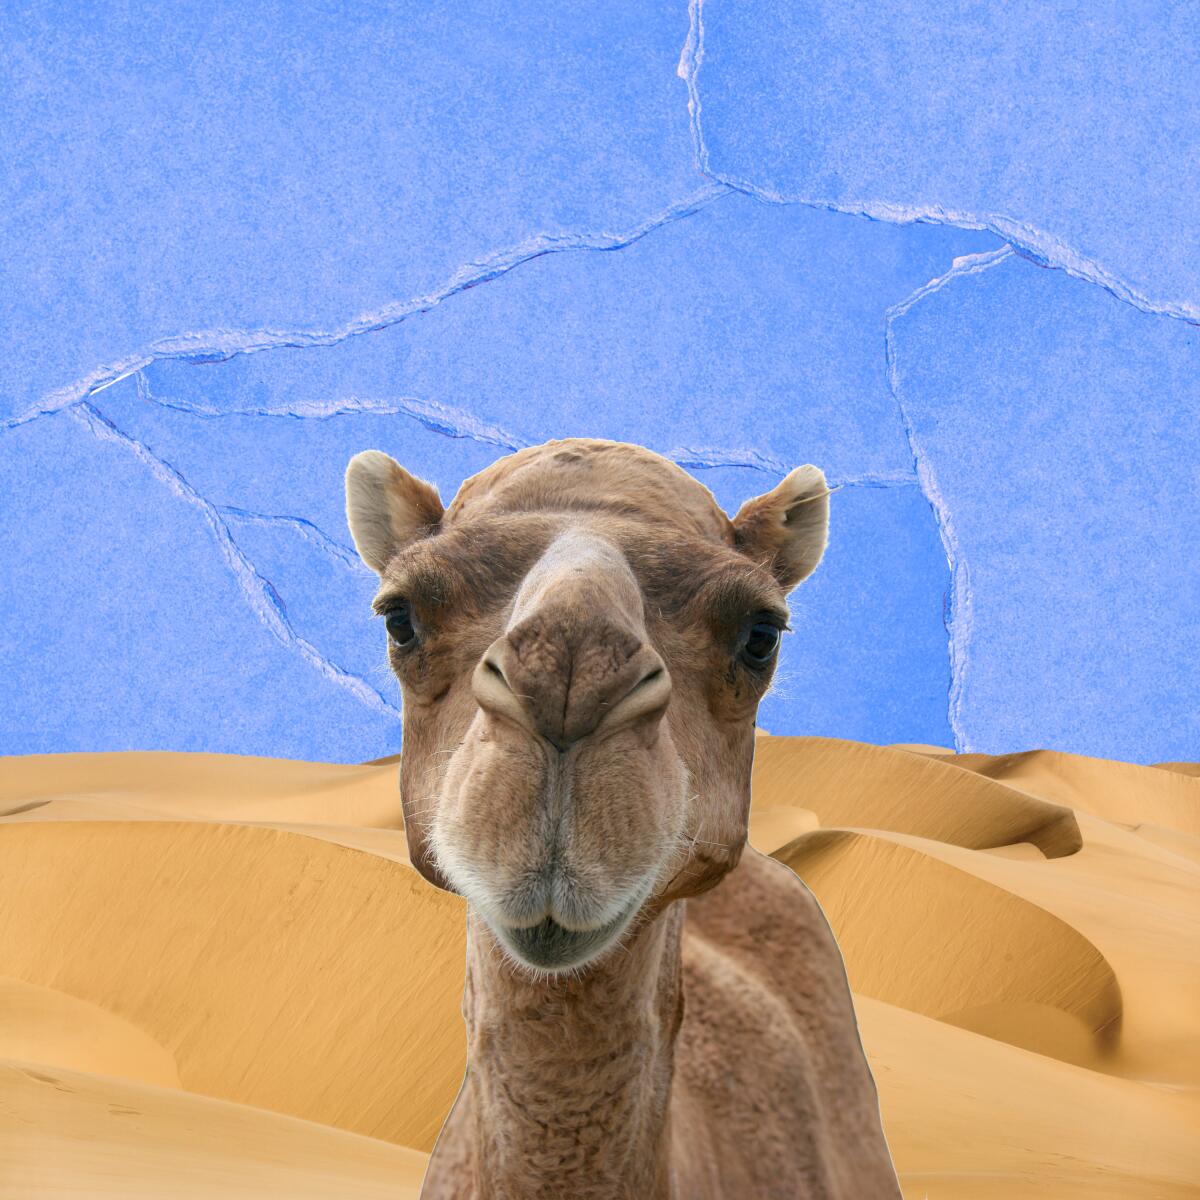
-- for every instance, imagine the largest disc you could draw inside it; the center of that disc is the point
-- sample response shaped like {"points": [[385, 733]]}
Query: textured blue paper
{"points": [[240, 243]]}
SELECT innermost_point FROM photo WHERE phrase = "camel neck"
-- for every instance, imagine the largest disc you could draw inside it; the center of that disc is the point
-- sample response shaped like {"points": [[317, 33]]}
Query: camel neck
{"points": [[569, 1079]]}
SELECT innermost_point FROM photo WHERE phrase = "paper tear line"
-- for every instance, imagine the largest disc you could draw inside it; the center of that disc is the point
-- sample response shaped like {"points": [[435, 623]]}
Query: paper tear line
{"points": [[218, 345], [691, 57], [1036, 245], [308, 530], [258, 591], [262, 596], [436, 417], [958, 619], [458, 423]]}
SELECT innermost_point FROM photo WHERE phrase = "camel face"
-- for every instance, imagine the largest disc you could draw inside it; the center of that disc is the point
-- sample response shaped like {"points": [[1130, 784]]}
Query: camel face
{"points": [[562, 809], [582, 640]]}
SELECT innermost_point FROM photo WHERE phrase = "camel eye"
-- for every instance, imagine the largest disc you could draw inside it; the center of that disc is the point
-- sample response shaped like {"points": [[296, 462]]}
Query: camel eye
{"points": [[400, 626], [762, 641]]}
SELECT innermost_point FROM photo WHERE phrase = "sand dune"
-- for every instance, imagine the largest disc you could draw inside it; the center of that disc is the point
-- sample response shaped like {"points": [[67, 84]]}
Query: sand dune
{"points": [[44, 1025], [67, 1133], [279, 969], [1125, 793], [895, 908], [1180, 768], [970, 1118], [879, 787], [219, 975], [205, 787]]}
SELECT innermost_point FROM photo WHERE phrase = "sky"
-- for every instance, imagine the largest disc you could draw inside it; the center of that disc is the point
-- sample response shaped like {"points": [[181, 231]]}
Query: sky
{"points": [[948, 252]]}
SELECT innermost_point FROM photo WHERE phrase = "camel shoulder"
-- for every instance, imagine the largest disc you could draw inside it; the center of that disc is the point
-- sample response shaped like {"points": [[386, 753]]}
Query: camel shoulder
{"points": [[769, 1054], [759, 956], [765, 916]]}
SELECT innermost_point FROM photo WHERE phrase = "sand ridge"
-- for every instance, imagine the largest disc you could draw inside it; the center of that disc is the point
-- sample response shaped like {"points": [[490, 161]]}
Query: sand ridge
{"points": [[219, 975]]}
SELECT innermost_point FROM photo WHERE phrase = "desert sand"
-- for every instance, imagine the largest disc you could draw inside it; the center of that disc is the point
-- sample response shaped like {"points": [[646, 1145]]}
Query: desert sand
{"points": [[219, 975]]}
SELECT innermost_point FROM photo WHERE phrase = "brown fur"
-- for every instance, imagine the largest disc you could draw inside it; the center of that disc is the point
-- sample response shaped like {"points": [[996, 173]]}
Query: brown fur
{"points": [[578, 738]]}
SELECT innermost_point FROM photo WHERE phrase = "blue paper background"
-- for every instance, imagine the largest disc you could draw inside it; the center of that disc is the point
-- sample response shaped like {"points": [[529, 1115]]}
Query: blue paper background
{"points": [[948, 252]]}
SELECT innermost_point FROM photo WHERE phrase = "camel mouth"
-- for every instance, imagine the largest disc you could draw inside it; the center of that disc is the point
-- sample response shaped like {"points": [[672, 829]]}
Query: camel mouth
{"points": [[549, 946]]}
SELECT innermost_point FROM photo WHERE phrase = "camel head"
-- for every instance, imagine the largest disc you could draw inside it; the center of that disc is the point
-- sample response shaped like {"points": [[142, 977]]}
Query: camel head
{"points": [[582, 640]]}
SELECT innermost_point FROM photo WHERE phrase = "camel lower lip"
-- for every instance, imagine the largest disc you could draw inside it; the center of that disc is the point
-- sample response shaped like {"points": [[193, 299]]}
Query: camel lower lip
{"points": [[549, 946]]}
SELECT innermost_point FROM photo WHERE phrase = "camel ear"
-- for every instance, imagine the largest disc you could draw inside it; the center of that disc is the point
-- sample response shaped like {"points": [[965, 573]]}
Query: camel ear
{"points": [[787, 529], [386, 507]]}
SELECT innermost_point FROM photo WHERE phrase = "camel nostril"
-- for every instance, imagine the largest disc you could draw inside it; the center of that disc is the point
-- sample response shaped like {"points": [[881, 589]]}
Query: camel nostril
{"points": [[567, 692], [495, 694], [649, 677], [643, 704]]}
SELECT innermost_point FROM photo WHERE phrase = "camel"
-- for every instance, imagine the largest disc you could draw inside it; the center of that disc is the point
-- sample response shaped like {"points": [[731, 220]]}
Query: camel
{"points": [[582, 640]]}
